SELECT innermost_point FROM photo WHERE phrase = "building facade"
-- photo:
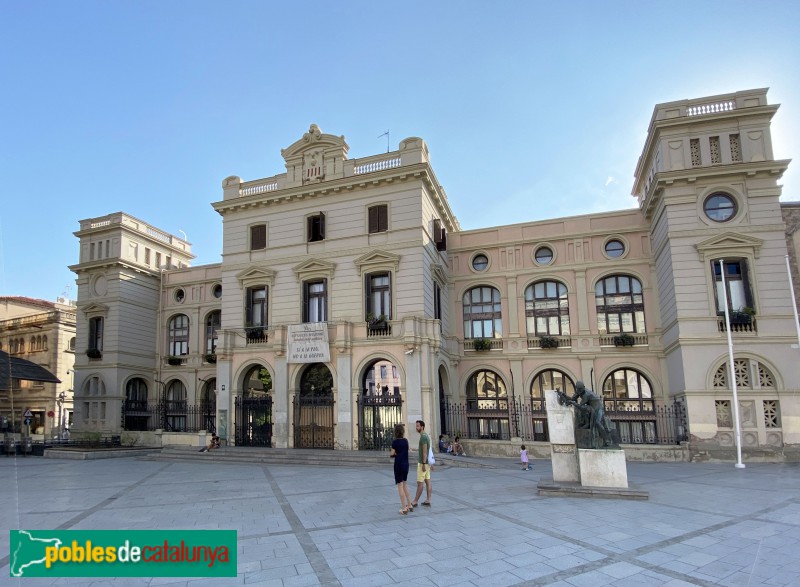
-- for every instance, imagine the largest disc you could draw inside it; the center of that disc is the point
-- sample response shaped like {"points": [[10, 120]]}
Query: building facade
{"points": [[349, 299], [42, 332]]}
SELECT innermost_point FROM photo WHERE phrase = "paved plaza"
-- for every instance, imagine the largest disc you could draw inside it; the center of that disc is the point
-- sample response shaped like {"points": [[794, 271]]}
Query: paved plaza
{"points": [[705, 524]]}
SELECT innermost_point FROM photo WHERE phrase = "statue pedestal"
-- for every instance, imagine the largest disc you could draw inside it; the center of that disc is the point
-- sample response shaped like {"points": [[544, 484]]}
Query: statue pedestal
{"points": [[561, 427], [602, 468]]}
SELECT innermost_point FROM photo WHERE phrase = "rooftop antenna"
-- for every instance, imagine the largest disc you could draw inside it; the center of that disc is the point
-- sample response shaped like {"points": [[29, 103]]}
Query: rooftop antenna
{"points": [[387, 139], [185, 238]]}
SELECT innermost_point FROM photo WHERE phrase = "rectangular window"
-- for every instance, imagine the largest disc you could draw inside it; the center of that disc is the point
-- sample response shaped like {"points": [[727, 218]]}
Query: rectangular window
{"points": [[258, 237], [91, 251], [147, 256], [439, 235], [437, 303], [378, 218], [96, 334], [316, 228], [158, 260], [713, 145], [379, 296], [315, 301], [694, 147], [736, 285], [736, 149], [256, 306]]}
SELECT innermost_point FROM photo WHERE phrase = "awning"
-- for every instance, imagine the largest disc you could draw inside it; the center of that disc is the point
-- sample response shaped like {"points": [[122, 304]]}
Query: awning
{"points": [[22, 369]]}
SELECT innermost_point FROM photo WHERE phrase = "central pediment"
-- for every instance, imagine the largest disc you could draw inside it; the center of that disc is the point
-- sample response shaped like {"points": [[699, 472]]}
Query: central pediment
{"points": [[315, 157], [730, 242]]}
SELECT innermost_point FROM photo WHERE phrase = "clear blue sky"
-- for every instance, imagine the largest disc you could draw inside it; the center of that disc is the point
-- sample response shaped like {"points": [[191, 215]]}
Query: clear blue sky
{"points": [[530, 110]]}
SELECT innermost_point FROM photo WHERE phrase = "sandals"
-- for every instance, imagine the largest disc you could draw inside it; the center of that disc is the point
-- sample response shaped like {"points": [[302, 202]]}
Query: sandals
{"points": [[426, 503], [411, 507], [404, 512]]}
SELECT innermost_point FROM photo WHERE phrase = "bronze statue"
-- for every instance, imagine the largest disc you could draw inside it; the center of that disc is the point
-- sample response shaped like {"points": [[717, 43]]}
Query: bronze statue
{"points": [[591, 415]]}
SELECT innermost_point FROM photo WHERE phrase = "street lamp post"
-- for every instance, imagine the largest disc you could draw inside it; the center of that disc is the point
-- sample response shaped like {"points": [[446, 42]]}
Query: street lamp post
{"points": [[61, 397]]}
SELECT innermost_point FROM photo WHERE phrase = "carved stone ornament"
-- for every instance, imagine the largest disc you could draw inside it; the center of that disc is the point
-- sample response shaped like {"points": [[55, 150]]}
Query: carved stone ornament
{"points": [[566, 449]]}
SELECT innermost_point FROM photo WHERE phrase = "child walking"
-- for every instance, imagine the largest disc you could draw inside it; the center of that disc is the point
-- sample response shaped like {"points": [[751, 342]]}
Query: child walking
{"points": [[523, 457]]}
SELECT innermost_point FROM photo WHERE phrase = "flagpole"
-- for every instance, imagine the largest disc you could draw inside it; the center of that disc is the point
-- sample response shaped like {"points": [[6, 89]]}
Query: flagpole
{"points": [[739, 464], [794, 300]]}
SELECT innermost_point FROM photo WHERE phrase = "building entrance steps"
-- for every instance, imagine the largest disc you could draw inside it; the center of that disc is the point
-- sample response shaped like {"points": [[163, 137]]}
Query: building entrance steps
{"points": [[300, 456]]}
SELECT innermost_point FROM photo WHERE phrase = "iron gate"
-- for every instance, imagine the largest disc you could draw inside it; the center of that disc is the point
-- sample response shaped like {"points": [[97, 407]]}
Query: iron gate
{"points": [[313, 420], [377, 416], [253, 421]]}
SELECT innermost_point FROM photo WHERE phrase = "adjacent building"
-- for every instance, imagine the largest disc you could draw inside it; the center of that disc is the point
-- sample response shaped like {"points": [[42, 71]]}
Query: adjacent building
{"points": [[349, 299], [43, 333]]}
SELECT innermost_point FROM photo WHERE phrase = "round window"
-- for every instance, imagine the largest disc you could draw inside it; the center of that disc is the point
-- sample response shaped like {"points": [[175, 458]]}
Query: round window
{"points": [[720, 207], [216, 291], [480, 262], [180, 295], [615, 248], [544, 255]]}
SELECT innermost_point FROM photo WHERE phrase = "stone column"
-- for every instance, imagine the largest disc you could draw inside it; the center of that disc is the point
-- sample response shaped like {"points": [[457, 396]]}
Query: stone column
{"points": [[344, 408], [280, 405], [224, 404], [561, 426]]}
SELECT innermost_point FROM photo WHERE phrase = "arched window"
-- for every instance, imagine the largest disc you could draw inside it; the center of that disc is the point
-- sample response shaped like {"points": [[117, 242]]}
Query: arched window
{"points": [[549, 379], [179, 335], [135, 407], [487, 406], [547, 309], [316, 380], [750, 374], [175, 401], [208, 404], [257, 382], [136, 392], [44, 343], [213, 321], [627, 390], [620, 304], [482, 315]]}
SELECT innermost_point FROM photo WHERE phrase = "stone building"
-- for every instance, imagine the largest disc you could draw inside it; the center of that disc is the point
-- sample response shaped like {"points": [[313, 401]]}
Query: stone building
{"points": [[42, 332], [348, 299]]}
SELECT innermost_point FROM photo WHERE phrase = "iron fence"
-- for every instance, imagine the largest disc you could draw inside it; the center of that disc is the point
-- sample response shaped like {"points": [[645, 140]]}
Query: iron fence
{"points": [[172, 416], [664, 424]]}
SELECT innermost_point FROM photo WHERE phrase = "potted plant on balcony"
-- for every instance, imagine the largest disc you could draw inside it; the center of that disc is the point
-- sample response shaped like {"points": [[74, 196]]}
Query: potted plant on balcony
{"points": [[548, 342], [743, 316], [482, 344], [379, 322], [624, 339], [174, 361], [254, 332], [210, 358], [94, 353]]}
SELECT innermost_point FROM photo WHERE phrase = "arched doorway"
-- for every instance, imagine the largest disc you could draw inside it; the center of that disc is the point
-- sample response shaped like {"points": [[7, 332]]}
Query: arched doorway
{"points": [[254, 408], [208, 405], [313, 409], [380, 406]]}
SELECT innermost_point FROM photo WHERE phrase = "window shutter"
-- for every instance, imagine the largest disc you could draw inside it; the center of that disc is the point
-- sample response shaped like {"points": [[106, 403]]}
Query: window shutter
{"points": [[748, 296], [305, 302], [325, 300], [367, 295], [437, 231], [322, 226], [310, 232], [373, 219], [389, 309], [258, 237], [248, 312], [442, 244], [92, 333], [383, 218]]}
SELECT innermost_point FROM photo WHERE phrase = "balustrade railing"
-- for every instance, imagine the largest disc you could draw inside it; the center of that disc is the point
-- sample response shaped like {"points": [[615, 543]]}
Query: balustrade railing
{"points": [[725, 106], [376, 166]]}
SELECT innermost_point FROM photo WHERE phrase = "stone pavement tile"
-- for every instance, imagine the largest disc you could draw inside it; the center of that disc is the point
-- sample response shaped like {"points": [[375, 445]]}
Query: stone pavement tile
{"points": [[620, 570], [341, 562], [676, 565], [533, 572], [679, 583], [371, 568], [656, 557], [216, 582], [591, 579], [701, 541], [524, 560], [342, 573], [698, 559], [454, 577], [642, 579], [485, 556], [271, 573], [487, 569], [304, 580], [410, 572], [376, 580], [559, 550], [503, 579], [421, 582], [566, 562]]}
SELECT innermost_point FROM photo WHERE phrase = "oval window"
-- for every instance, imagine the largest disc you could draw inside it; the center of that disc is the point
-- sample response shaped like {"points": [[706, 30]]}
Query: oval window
{"points": [[217, 291], [720, 207], [480, 262], [544, 255], [180, 295], [615, 248]]}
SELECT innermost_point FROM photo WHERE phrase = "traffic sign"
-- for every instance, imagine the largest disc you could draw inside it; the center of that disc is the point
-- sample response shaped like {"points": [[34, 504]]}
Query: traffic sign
{"points": [[27, 421], [28, 414]]}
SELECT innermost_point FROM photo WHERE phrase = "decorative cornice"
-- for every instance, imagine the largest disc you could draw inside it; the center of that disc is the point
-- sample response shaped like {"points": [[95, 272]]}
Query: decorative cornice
{"points": [[377, 259], [314, 268], [729, 241]]}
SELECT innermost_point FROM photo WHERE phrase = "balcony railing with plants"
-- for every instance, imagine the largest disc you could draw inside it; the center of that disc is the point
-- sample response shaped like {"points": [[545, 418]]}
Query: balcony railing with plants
{"points": [[172, 416], [483, 344], [743, 320]]}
